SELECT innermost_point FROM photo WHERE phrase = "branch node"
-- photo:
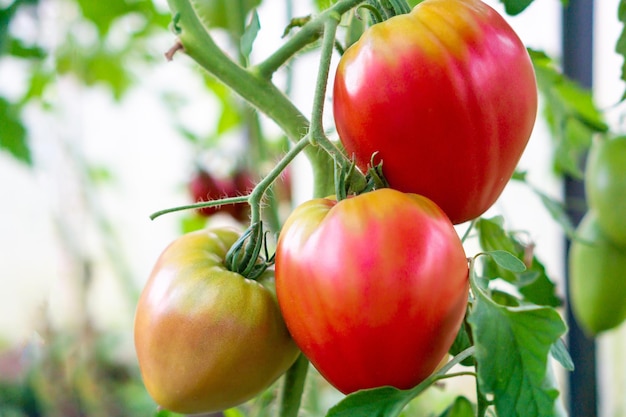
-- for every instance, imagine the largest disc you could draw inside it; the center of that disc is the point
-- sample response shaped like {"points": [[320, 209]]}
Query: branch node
{"points": [[178, 46]]}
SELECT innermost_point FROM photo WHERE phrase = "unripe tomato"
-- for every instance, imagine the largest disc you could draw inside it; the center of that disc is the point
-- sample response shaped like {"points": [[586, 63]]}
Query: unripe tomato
{"points": [[597, 278], [446, 96], [207, 338], [372, 288], [605, 184]]}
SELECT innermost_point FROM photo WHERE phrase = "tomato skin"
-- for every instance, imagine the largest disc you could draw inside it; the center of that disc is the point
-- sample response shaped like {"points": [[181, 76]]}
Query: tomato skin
{"points": [[447, 97], [372, 288], [207, 338], [605, 185], [597, 278]]}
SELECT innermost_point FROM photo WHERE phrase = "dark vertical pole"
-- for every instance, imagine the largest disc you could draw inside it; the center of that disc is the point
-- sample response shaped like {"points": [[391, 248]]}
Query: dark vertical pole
{"points": [[577, 64]]}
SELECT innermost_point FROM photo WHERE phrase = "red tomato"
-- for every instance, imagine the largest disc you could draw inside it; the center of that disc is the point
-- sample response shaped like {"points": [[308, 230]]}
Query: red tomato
{"points": [[204, 187], [372, 288], [447, 97], [207, 338]]}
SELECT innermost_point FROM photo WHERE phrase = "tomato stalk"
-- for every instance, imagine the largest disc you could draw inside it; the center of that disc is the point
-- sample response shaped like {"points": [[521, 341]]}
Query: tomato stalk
{"points": [[254, 84]]}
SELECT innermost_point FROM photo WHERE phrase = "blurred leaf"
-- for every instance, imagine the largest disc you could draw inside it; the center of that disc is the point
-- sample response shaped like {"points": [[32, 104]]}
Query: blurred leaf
{"points": [[13, 133], [249, 35], [104, 13], [192, 223], [462, 407], [570, 112], [560, 353], [557, 211], [95, 65], [18, 49], [324, 4], [512, 346], [514, 7], [224, 14], [620, 47]]}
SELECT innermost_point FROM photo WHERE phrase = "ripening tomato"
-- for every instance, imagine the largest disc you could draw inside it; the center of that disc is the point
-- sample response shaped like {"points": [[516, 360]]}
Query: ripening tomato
{"points": [[445, 96], [207, 338], [597, 278], [372, 288], [204, 186], [605, 184]]}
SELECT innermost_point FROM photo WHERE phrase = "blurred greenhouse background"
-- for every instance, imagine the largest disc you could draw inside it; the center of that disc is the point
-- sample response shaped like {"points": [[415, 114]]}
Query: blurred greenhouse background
{"points": [[98, 130]]}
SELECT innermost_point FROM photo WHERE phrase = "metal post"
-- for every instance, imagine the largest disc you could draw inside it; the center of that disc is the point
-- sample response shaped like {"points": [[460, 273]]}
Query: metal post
{"points": [[577, 64]]}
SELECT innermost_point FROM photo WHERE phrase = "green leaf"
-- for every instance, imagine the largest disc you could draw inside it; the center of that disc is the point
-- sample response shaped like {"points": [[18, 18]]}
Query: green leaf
{"points": [[249, 35], [104, 13], [557, 212], [620, 46], [512, 347], [507, 260], [379, 402], [324, 4], [533, 283], [570, 112], [224, 14], [514, 7], [560, 353], [462, 407], [13, 133]]}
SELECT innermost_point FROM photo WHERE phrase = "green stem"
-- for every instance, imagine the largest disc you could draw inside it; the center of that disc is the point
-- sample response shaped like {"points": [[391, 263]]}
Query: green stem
{"points": [[317, 135], [258, 91], [293, 387], [309, 33], [204, 204], [257, 194]]}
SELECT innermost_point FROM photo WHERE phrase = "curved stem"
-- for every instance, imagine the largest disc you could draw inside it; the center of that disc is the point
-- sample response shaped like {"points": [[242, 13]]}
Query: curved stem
{"points": [[258, 91], [256, 196]]}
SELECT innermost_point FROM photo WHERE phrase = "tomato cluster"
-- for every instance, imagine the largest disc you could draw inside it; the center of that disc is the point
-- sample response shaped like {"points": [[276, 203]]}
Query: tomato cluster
{"points": [[598, 254], [372, 288]]}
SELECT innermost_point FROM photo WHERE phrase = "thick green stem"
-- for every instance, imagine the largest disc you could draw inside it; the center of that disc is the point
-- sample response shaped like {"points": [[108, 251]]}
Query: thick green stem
{"points": [[293, 387], [258, 91]]}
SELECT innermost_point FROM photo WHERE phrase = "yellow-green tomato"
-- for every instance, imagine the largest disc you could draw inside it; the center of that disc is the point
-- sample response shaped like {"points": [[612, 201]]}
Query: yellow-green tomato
{"points": [[597, 279], [207, 338], [605, 184]]}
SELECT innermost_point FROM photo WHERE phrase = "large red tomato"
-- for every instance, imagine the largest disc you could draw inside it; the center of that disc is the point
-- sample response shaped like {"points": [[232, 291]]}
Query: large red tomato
{"points": [[372, 288], [447, 97], [207, 338]]}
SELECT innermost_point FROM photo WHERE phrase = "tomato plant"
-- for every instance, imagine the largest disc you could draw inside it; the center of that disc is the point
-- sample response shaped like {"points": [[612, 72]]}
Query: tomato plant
{"points": [[597, 277], [445, 96], [207, 338], [605, 185], [373, 288]]}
